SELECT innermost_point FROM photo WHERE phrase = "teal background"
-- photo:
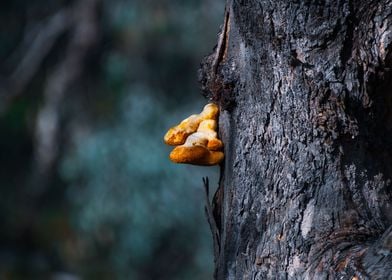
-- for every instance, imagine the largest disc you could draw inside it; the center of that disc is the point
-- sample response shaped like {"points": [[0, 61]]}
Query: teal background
{"points": [[110, 205]]}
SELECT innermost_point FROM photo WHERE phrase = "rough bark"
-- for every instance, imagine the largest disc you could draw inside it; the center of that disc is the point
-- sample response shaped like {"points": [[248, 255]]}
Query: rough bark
{"points": [[305, 89]]}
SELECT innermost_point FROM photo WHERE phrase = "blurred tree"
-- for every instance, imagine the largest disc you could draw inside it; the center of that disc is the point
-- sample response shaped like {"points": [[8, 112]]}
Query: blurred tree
{"points": [[87, 93]]}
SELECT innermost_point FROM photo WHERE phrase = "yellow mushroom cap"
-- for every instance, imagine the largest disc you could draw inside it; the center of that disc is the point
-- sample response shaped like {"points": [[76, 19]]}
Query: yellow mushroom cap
{"points": [[208, 129], [178, 134], [207, 125], [198, 155], [195, 150], [196, 139], [215, 144], [210, 112]]}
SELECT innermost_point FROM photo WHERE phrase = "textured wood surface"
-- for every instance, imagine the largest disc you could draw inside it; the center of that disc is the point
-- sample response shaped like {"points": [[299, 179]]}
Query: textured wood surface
{"points": [[305, 89]]}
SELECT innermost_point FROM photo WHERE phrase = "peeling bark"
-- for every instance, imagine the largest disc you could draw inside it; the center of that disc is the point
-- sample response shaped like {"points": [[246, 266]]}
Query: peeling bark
{"points": [[305, 89]]}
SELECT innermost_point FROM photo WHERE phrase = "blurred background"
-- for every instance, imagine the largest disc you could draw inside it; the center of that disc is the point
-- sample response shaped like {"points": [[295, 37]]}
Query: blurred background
{"points": [[87, 90]]}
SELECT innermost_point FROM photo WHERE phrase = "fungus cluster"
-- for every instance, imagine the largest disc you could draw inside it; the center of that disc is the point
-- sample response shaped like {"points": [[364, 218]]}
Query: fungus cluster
{"points": [[196, 139]]}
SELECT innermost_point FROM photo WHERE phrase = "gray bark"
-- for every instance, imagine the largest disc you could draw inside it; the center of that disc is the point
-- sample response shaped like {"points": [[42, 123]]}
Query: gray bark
{"points": [[305, 90]]}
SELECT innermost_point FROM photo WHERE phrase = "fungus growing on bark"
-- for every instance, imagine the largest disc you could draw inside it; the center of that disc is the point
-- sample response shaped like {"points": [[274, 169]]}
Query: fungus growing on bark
{"points": [[200, 148], [196, 139], [177, 134], [207, 129]]}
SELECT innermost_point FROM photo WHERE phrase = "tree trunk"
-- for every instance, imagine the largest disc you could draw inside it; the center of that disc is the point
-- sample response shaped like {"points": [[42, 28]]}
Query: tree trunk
{"points": [[305, 90]]}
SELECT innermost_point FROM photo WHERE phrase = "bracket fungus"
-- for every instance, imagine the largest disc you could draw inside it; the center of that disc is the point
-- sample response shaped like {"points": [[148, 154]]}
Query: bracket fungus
{"points": [[196, 139]]}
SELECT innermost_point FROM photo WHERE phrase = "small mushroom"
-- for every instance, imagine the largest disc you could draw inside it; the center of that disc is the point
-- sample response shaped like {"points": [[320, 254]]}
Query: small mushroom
{"points": [[210, 112], [196, 139], [178, 134], [208, 129], [195, 151]]}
